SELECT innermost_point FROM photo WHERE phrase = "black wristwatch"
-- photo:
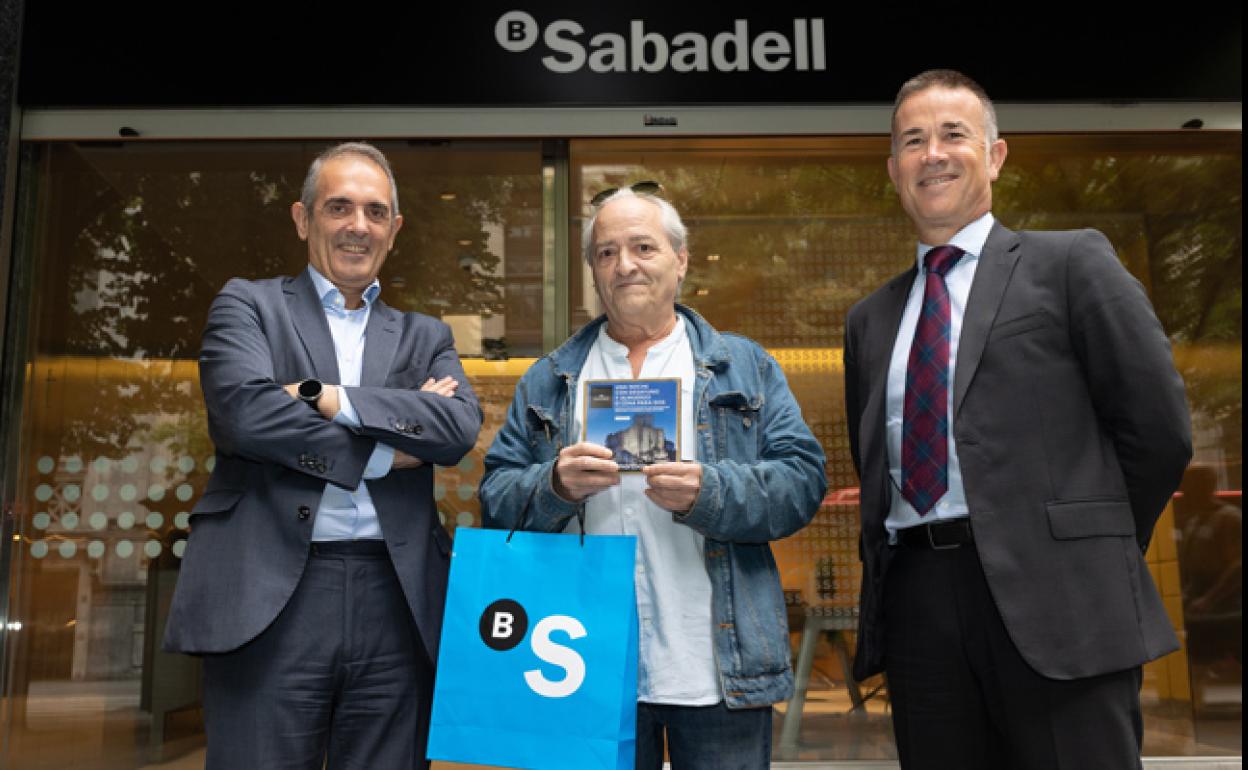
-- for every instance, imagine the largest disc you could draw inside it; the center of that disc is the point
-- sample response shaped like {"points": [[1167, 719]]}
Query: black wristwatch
{"points": [[310, 390]]}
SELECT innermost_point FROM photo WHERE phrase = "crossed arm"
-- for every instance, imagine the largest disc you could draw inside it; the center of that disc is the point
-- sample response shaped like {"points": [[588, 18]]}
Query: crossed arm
{"points": [[252, 416], [330, 406]]}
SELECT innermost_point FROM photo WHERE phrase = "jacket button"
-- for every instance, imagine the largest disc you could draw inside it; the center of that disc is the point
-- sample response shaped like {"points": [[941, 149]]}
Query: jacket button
{"points": [[304, 512]]}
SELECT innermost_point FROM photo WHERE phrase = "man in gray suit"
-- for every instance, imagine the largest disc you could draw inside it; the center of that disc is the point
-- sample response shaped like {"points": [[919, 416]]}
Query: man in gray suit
{"points": [[315, 573], [1018, 426]]}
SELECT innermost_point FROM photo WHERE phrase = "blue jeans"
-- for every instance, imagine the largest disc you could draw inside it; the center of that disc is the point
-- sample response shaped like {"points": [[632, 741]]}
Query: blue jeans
{"points": [[704, 737]]}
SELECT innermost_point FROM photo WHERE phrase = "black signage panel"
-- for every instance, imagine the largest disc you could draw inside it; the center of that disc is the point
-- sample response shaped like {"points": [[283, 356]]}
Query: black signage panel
{"points": [[523, 52]]}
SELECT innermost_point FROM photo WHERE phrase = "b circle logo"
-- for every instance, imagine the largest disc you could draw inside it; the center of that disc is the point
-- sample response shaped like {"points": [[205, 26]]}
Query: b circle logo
{"points": [[516, 31], [503, 626]]}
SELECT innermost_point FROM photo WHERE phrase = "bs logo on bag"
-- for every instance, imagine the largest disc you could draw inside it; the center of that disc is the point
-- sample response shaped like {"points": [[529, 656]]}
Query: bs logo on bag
{"points": [[503, 626]]}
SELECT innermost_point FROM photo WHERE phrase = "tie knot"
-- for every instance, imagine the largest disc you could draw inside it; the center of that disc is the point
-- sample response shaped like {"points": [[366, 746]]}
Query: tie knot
{"points": [[941, 259]]}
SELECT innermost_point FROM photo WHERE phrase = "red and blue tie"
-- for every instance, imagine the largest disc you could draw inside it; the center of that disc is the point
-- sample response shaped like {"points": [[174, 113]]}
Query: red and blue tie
{"points": [[925, 415]]}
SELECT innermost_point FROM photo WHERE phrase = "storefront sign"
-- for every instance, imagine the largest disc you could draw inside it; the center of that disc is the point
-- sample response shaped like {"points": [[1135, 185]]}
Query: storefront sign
{"points": [[642, 50], [641, 53]]}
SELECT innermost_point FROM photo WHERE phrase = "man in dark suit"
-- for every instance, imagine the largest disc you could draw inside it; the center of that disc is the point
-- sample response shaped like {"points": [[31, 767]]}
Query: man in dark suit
{"points": [[315, 573], [1018, 426]]}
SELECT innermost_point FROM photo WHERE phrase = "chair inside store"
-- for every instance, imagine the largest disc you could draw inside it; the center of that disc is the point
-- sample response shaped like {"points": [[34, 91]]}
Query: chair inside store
{"points": [[821, 575]]}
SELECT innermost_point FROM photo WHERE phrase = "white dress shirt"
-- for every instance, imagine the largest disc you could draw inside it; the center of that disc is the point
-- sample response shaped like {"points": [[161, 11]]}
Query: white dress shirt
{"points": [[952, 504], [676, 659]]}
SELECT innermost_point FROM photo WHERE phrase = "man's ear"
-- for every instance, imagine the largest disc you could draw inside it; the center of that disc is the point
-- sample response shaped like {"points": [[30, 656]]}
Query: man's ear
{"points": [[996, 158], [394, 231], [300, 215]]}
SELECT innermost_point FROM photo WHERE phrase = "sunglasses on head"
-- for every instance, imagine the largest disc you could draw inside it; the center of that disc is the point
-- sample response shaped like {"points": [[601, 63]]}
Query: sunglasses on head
{"points": [[647, 187]]}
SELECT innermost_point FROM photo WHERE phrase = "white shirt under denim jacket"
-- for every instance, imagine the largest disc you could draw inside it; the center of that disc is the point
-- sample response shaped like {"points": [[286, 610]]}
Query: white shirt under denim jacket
{"points": [[762, 479]]}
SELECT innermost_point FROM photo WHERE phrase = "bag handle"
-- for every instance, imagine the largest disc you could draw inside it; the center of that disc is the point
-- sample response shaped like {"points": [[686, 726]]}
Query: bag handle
{"points": [[524, 514]]}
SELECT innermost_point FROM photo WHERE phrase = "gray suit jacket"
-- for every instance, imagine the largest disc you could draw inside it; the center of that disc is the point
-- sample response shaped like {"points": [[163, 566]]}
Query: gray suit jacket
{"points": [[251, 529], [1072, 432]]}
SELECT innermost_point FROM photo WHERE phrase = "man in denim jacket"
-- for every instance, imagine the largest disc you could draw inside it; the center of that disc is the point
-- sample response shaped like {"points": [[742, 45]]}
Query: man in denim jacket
{"points": [[714, 647]]}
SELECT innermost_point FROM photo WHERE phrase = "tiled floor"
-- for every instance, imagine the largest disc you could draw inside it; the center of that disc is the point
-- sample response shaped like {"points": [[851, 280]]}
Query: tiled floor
{"points": [[60, 718]]}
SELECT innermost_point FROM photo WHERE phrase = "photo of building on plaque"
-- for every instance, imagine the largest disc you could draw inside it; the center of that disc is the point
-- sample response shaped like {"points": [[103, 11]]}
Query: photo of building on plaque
{"points": [[638, 420]]}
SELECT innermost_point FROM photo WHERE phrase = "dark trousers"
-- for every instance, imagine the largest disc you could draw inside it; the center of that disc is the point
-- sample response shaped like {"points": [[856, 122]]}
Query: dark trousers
{"points": [[962, 696], [703, 737], [340, 680]]}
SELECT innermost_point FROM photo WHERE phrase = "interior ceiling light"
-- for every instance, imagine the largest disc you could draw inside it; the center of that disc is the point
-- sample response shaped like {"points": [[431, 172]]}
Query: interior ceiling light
{"points": [[447, 196]]}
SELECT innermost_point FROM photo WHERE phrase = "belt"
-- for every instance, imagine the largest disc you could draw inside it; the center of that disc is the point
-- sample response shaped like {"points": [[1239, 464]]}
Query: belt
{"points": [[340, 548], [938, 535]]}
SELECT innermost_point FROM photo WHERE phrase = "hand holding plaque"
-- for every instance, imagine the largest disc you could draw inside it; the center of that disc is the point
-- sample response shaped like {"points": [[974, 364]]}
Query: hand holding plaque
{"points": [[582, 470], [674, 486]]}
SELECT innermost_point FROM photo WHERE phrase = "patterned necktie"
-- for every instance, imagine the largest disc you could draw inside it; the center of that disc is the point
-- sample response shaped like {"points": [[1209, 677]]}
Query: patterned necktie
{"points": [[925, 416]]}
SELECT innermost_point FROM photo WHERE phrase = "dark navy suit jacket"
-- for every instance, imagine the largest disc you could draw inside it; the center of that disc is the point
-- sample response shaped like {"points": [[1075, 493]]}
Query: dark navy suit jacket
{"points": [[251, 529]]}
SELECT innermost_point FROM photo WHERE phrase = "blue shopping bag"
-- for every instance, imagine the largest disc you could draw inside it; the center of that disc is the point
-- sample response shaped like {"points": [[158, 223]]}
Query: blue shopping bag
{"points": [[538, 662]]}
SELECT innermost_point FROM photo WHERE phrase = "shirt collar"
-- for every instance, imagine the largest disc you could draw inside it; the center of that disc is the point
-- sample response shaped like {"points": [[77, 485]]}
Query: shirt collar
{"points": [[332, 298], [970, 239], [613, 347]]}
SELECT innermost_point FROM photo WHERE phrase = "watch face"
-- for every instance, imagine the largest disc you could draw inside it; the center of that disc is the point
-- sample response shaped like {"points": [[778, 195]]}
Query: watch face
{"points": [[310, 390]]}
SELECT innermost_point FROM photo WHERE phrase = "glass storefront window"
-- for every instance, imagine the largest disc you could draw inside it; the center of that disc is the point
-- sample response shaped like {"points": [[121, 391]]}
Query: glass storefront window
{"points": [[786, 234], [128, 244]]}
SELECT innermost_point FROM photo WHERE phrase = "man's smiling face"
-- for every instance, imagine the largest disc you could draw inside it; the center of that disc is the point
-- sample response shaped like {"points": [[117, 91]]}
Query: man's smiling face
{"points": [[942, 163], [351, 228]]}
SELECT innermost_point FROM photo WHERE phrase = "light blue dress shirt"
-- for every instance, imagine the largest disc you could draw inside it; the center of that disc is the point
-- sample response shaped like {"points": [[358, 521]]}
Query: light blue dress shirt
{"points": [[952, 504], [349, 515]]}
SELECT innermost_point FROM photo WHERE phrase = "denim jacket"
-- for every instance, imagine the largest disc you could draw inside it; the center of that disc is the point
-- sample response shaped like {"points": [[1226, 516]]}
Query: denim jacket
{"points": [[762, 479]]}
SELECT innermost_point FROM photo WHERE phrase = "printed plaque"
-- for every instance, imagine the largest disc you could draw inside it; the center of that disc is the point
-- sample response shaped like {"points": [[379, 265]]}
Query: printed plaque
{"points": [[638, 420]]}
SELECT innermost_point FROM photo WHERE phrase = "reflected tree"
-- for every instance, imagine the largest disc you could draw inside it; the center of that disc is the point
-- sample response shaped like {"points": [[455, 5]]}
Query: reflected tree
{"points": [[136, 241], [800, 239], [1177, 221]]}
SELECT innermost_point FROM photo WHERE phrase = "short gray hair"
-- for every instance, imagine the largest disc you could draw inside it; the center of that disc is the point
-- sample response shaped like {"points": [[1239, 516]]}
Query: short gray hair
{"points": [[673, 226], [946, 79], [359, 149]]}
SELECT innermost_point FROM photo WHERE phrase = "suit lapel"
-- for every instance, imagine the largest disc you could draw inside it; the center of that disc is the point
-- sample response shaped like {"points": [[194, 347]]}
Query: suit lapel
{"points": [[996, 265], [884, 334], [310, 324], [381, 340], [881, 338]]}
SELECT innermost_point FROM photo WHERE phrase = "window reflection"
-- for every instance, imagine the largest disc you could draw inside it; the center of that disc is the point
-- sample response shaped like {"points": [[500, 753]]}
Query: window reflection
{"points": [[131, 243], [786, 234]]}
